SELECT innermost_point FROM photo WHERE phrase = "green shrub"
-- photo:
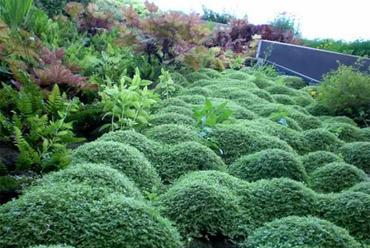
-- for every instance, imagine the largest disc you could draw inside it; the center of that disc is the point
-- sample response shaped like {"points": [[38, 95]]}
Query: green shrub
{"points": [[305, 121], [303, 100], [358, 154], [52, 246], [267, 164], [295, 231], [280, 89], [171, 134], [344, 131], [171, 118], [233, 74], [182, 158], [366, 133], [321, 140], [314, 160], [8, 184], [178, 78], [363, 187], [55, 7], [266, 200], [338, 119], [294, 82], [195, 76], [317, 109], [230, 92], [293, 138], [176, 110], [201, 209], [349, 210], [212, 177], [93, 175], [197, 90], [125, 158], [236, 140], [193, 99], [264, 94], [346, 91], [83, 217], [335, 177], [210, 72], [283, 99], [135, 139], [171, 102]]}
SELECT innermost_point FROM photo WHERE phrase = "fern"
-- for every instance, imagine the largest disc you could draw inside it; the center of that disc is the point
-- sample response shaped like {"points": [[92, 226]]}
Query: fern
{"points": [[27, 155]]}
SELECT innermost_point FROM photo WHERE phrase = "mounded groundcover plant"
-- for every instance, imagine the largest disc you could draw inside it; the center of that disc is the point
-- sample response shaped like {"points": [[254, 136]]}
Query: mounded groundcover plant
{"points": [[236, 141], [79, 216], [125, 158], [202, 209], [363, 187], [335, 177], [133, 138], [313, 160], [322, 140], [296, 231], [358, 154], [267, 164], [350, 210], [177, 160], [171, 118], [171, 134], [93, 175], [266, 200]]}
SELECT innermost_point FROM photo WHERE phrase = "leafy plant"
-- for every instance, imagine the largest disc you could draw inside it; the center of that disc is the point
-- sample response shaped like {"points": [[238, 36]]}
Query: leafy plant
{"points": [[207, 117], [210, 15], [346, 91], [166, 87], [39, 127], [15, 12], [128, 103]]}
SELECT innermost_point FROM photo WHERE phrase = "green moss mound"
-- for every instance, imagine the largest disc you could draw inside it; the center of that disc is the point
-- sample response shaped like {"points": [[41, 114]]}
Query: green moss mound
{"points": [[195, 76], [294, 82], [210, 72], [171, 134], [52, 246], [321, 140], [350, 210], [268, 164], [171, 102], [133, 138], [236, 141], [295, 231], [197, 90], [171, 118], [201, 209], [358, 154], [182, 158], [80, 216], [280, 89], [305, 121], [176, 110], [232, 74], [178, 78], [336, 177], [363, 187], [124, 158], [193, 99], [303, 100], [317, 109], [93, 175], [314, 160], [345, 131], [212, 177], [283, 99], [266, 200]]}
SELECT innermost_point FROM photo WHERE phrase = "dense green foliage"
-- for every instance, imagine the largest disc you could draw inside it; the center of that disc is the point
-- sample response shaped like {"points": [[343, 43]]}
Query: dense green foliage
{"points": [[347, 92], [171, 134], [177, 160], [267, 164], [125, 158], [358, 154], [335, 177], [300, 232], [93, 175], [266, 200], [49, 216], [313, 160], [347, 210]]}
